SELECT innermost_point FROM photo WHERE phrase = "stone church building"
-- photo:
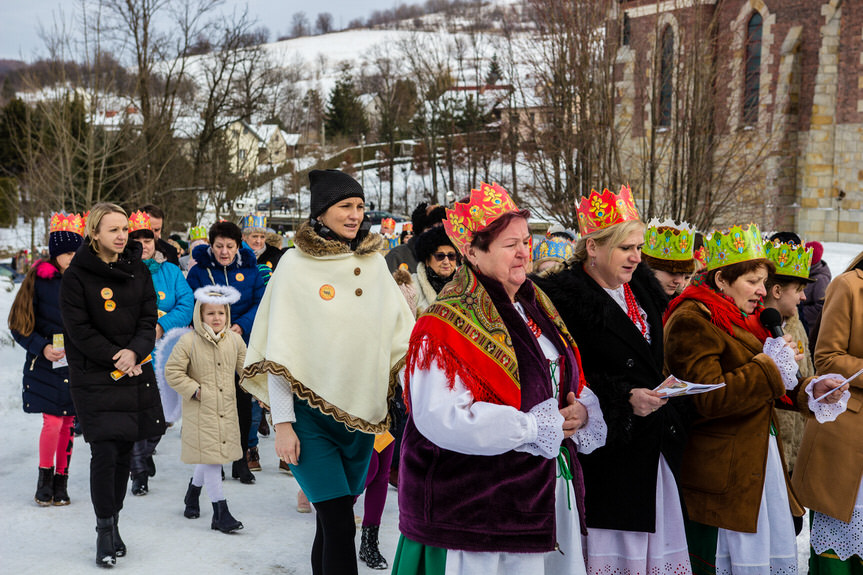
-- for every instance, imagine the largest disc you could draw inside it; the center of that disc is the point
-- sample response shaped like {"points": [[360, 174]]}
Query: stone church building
{"points": [[787, 88]]}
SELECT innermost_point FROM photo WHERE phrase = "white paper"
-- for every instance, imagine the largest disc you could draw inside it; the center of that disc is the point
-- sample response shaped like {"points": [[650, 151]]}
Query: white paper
{"points": [[674, 387]]}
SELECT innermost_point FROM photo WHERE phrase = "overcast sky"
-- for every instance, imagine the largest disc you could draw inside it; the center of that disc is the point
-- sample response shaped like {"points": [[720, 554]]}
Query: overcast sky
{"points": [[20, 19]]}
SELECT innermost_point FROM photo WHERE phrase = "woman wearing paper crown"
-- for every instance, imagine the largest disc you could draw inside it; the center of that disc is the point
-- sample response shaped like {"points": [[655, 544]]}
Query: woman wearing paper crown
{"points": [[489, 480], [175, 300], [668, 252], [829, 472], [613, 306], [551, 250], [733, 475], [109, 314], [35, 323], [328, 341]]}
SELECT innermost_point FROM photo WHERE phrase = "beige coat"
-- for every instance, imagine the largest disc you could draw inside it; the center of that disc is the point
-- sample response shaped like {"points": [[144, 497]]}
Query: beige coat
{"points": [[791, 423], [211, 429], [830, 462]]}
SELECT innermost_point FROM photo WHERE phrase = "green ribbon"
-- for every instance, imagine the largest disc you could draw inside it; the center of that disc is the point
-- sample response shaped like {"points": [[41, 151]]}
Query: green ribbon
{"points": [[564, 468]]}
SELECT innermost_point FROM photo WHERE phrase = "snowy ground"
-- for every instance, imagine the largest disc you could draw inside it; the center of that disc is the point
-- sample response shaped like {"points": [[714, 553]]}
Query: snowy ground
{"points": [[276, 538]]}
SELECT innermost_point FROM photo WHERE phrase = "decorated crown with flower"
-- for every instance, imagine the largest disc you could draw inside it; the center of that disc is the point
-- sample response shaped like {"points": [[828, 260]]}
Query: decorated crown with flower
{"points": [[388, 225], [790, 259], [197, 233], [603, 210], [553, 248], [737, 244], [139, 221], [255, 221], [486, 204], [67, 223], [666, 240]]}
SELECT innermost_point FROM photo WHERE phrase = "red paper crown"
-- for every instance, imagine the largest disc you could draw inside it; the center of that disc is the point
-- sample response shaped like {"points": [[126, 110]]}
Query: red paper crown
{"points": [[388, 225], [139, 221], [486, 205], [67, 223], [600, 211]]}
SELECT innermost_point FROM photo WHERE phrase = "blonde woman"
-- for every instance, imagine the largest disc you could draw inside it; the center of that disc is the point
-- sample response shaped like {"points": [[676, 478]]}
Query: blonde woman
{"points": [[109, 313]]}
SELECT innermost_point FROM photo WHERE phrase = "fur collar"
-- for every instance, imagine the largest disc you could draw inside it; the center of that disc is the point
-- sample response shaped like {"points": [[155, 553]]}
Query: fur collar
{"points": [[310, 243], [428, 291]]}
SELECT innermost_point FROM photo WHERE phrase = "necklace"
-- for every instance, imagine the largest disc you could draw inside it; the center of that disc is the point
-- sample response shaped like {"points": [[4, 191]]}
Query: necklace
{"points": [[632, 310]]}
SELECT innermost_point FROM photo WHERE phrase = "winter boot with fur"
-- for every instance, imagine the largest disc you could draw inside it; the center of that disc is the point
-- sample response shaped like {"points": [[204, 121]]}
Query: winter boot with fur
{"points": [[61, 497], [106, 556], [222, 518], [240, 470], [254, 459], [369, 551], [119, 546], [193, 506], [45, 487], [139, 483]]}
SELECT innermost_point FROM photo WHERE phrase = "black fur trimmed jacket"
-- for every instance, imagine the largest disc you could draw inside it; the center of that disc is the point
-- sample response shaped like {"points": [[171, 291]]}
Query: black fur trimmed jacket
{"points": [[620, 478]]}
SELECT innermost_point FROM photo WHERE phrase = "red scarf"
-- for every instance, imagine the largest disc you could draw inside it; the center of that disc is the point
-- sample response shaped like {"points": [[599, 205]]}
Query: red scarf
{"points": [[724, 313]]}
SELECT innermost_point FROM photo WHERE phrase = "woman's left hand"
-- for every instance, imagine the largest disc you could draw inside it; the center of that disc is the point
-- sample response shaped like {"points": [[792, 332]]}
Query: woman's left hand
{"points": [[819, 388], [124, 360], [237, 329], [574, 415]]}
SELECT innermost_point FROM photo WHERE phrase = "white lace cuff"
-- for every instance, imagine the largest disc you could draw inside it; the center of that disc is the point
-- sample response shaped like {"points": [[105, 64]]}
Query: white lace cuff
{"points": [[776, 348], [825, 412], [549, 430], [281, 399], [593, 435]]}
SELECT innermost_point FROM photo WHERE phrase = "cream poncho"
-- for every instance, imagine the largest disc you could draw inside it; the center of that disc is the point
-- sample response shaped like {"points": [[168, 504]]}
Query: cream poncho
{"points": [[334, 324]]}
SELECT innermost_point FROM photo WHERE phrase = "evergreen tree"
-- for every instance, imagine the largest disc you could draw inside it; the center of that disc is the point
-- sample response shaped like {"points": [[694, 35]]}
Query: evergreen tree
{"points": [[345, 115], [495, 72]]}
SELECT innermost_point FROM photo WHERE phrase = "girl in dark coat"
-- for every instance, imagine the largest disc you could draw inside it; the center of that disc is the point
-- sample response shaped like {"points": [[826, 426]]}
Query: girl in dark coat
{"points": [[109, 317], [34, 321]]}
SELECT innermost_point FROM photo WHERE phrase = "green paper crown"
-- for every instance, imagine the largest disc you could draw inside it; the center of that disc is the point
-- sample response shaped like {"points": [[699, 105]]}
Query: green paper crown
{"points": [[790, 259], [668, 241], [197, 233], [737, 245]]}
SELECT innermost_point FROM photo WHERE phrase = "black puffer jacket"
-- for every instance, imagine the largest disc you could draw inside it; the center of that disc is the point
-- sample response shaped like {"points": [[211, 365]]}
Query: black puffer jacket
{"points": [[620, 478], [107, 308]]}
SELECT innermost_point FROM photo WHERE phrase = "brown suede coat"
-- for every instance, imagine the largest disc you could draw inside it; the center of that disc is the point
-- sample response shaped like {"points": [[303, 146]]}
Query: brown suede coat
{"points": [[830, 461], [722, 477]]}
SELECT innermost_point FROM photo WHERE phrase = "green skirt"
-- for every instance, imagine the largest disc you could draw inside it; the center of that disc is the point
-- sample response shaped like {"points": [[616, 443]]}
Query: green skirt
{"points": [[828, 563], [414, 558]]}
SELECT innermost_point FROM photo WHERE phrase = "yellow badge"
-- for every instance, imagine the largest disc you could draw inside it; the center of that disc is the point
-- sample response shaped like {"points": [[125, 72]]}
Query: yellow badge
{"points": [[240, 277], [800, 347], [107, 293], [327, 292], [270, 265], [161, 295], [110, 305], [403, 266]]}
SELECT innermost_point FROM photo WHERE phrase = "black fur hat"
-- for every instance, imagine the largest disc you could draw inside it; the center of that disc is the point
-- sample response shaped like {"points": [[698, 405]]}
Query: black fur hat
{"points": [[425, 216], [429, 241], [331, 186]]}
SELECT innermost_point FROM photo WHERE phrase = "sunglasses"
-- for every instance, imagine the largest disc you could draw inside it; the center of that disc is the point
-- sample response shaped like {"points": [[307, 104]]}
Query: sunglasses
{"points": [[440, 256]]}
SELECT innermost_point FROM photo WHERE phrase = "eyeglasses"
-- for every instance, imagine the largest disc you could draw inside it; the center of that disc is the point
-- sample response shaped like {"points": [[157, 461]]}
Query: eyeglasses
{"points": [[441, 256]]}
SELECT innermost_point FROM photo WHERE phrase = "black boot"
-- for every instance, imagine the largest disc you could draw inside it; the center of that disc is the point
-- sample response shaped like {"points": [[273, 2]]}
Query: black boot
{"points": [[240, 470], [369, 551], [105, 554], [222, 518], [193, 507], [151, 466], [139, 483], [119, 546], [264, 426], [45, 487], [61, 497]]}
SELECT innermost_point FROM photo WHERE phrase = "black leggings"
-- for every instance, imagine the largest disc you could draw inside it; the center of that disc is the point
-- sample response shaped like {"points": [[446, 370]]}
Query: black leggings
{"points": [[109, 475], [244, 412], [334, 551]]}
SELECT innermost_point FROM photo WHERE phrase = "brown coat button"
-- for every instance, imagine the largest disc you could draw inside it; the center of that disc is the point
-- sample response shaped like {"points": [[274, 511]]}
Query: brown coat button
{"points": [[359, 292], [357, 271]]}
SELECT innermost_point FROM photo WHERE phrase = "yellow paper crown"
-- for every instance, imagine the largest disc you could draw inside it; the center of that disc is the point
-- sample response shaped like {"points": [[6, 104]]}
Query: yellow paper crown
{"points": [[599, 211], [139, 221], [486, 205], [67, 223], [197, 233]]}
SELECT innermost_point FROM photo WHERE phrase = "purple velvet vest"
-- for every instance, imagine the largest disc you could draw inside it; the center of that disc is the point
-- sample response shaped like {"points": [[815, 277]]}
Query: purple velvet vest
{"points": [[500, 503]]}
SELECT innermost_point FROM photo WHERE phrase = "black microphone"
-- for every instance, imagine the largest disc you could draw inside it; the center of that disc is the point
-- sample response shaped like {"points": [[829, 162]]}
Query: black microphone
{"points": [[772, 322]]}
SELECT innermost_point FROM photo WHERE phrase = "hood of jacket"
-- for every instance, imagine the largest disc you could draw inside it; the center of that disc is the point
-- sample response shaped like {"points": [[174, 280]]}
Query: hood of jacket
{"points": [[245, 258], [206, 331], [313, 244], [123, 269], [46, 270]]}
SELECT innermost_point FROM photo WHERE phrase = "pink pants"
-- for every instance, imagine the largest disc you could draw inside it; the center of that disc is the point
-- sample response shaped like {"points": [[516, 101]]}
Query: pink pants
{"points": [[55, 442]]}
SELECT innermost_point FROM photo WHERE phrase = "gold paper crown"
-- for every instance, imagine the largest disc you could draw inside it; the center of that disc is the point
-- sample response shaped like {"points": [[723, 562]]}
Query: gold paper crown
{"points": [[67, 223], [139, 221], [599, 211], [197, 233], [738, 244], [486, 205]]}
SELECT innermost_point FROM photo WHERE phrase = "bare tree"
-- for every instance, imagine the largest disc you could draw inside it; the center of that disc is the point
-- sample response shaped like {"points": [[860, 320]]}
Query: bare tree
{"points": [[299, 25], [324, 23]]}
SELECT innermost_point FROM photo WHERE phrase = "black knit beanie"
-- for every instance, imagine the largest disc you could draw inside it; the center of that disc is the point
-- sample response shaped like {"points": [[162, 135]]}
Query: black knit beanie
{"points": [[429, 241], [63, 242], [331, 186]]}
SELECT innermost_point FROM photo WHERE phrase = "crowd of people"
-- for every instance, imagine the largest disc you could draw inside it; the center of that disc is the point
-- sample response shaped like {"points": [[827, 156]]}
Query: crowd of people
{"points": [[532, 401]]}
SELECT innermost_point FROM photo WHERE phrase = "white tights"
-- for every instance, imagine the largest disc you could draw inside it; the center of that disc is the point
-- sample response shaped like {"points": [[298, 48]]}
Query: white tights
{"points": [[209, 475]]}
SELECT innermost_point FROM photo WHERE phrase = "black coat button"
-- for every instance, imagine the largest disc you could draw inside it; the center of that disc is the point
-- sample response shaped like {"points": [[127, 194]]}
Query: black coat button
{"points": [[630, 362]]}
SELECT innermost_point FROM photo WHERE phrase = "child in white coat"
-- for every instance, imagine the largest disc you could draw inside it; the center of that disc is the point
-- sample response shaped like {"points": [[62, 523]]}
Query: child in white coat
{"points": [[201, 369]]}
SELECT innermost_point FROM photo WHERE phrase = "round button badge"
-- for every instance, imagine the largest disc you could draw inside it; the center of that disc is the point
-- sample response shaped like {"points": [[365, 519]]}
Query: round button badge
{"points": [[110, 305], [327, 292], [107, 293]]}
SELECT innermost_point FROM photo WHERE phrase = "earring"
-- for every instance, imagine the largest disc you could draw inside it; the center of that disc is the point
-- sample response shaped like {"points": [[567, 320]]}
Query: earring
{"points": [[593, 262]]}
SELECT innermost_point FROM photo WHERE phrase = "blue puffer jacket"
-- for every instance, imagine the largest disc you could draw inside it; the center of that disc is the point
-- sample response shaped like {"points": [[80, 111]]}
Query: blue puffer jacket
{"points": [[46, 390], [173, 295], [242, 274]]}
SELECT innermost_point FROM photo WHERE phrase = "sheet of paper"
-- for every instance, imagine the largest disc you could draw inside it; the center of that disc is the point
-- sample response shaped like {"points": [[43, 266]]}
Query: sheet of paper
{"points": [[674, 387]]}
